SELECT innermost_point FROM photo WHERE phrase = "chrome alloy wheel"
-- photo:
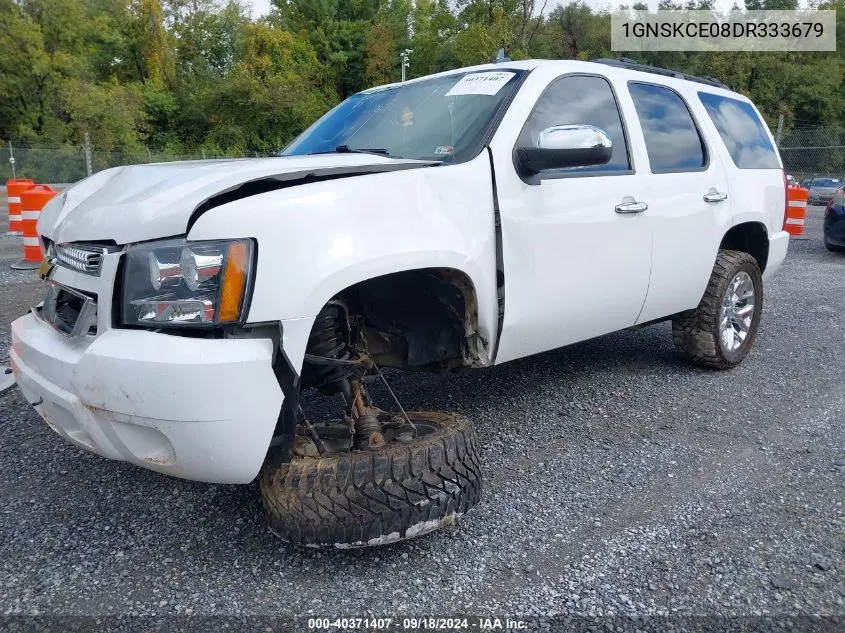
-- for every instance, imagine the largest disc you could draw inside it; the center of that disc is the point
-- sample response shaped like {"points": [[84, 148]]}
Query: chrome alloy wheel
{"points": [[737, 312]]}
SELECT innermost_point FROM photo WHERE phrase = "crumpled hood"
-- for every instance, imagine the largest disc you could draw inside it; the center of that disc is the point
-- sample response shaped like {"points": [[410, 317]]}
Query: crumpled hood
{"points": [[144, 202]]}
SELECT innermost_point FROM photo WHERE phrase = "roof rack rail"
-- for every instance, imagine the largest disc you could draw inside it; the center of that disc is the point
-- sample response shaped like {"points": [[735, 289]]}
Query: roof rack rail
{"points": [[630, 64]]}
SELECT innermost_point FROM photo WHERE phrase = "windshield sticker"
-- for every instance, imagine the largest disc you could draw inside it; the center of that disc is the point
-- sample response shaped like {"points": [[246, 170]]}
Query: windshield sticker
{"points": [[407, 116], [480, 83], [444, 150]]}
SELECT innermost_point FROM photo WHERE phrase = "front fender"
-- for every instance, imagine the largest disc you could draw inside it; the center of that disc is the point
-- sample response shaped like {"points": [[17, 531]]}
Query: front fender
{"points": [[316, 239]]}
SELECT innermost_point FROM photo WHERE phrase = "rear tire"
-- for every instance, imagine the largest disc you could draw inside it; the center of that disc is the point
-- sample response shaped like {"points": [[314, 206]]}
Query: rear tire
{"points": [[705, 335], [375, 497], [833, 248]]}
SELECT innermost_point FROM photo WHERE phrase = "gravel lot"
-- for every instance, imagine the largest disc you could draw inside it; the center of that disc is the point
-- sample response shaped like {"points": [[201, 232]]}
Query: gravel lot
{"points": [[619, 480]]}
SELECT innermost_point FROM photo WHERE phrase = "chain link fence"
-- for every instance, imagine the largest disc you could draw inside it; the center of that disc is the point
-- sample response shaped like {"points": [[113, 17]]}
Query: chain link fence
{"points": [[69, 163], [813, 151]]}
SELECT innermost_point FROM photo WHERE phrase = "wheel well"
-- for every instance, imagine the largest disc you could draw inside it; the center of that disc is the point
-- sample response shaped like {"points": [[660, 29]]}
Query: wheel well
{"points": [[751, 238], [425, 318]]}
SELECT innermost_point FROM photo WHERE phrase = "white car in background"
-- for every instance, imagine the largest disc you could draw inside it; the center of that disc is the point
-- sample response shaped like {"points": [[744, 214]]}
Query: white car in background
{"points": [[455, 221], [821, 189]]}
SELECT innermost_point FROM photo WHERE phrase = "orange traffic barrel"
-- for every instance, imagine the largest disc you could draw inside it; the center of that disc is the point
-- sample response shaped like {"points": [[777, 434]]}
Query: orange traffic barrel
{"points": [[32, 201], [14, 188], [796, 210]]}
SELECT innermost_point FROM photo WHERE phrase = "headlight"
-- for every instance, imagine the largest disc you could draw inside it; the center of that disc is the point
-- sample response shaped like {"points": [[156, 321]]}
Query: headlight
{"points": [[181, 283]]}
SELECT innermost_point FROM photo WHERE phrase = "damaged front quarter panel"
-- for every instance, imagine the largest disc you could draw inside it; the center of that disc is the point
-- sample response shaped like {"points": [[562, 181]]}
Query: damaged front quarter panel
{"points": [[283, 180], [318, 240]]}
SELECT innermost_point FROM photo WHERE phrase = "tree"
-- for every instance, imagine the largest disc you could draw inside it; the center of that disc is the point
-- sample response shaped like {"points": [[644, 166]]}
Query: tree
{"points": [[578, 33], [382, 54], [206, 35], [111, 114], [478, 42], [183, 76], [771, 5], [276, 90], [148, 42], [434, 29]]}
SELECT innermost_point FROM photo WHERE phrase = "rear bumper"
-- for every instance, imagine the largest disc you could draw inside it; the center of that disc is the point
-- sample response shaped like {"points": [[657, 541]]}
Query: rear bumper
{"points": [[778, 245], [192, 408]]}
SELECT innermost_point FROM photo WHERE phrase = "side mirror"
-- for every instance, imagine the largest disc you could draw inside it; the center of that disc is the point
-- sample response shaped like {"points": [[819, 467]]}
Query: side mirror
{"points": [[563, 146]]}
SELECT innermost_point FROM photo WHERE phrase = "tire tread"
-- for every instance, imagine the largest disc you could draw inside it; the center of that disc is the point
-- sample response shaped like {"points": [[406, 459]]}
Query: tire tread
{"points": [[351, 499], [695, 333]]}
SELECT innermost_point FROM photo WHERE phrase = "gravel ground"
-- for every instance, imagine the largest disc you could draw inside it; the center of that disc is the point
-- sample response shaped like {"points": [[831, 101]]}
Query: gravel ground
{"points": [[619, 480], [11, 251]]}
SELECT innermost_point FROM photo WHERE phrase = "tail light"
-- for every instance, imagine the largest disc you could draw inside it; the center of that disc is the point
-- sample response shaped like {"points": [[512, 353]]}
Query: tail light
{"points": [[785, 199]]}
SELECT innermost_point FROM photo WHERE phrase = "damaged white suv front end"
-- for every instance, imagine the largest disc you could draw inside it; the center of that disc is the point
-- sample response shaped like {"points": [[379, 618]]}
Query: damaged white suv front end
{"points": [[156, 350], [166, 351]]}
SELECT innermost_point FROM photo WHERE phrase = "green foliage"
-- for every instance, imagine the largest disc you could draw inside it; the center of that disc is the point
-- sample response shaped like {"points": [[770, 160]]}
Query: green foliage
{"points": [[111, 113], [575, 32], [201, 77], [276, 90]]}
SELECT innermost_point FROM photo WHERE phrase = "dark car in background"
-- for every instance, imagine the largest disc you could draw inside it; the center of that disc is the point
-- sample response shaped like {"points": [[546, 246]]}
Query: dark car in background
{"points": [[821, 188], [834, 222]]}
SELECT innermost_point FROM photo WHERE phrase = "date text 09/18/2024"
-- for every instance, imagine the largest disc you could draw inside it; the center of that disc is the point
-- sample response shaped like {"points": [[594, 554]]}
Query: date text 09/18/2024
{"points": [[418, 624]]}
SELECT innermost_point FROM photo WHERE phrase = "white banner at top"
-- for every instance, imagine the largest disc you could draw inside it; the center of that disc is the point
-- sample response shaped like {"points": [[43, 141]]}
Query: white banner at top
{"points": [[803, 30]]}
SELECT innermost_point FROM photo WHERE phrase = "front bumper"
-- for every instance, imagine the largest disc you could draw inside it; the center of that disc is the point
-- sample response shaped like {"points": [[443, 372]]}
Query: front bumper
{"points": [[198, 409]]}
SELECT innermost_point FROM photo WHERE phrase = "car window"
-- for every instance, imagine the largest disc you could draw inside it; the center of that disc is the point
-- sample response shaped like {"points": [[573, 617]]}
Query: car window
{"points": [[579, 99], [825, 182], [671, 138], [742, 131]]}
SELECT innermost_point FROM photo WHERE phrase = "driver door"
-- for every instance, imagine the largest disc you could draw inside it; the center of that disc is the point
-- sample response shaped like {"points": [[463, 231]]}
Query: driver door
{"points": [[576, 245]]}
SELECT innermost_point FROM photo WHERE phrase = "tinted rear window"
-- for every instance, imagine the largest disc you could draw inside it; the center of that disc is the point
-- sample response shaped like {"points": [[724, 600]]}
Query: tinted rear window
{"points": [[671, 138], [742, 131]]}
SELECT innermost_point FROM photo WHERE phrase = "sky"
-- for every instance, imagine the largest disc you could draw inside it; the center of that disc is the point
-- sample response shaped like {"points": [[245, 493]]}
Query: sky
{"points": [[261, 7]]}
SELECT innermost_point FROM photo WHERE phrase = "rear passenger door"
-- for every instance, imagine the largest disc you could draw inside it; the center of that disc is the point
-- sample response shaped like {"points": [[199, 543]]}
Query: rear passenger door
{"points": [[689, 207]]}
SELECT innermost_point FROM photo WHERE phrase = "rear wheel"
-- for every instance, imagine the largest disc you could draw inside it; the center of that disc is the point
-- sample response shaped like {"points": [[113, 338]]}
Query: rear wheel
{"points": [[424, 476], [721, 330], [833, 248]]}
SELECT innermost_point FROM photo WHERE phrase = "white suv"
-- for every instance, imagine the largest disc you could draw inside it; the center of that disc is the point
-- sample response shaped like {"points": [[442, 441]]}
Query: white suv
{"points": [[459, 220]]}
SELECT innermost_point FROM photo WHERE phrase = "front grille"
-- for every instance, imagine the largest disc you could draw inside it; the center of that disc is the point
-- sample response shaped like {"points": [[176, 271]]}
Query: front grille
{"points": [[83, 258]]}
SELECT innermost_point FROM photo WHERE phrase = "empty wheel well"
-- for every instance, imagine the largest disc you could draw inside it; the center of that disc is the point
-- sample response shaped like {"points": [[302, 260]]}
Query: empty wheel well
{"points": [[751, 238], [416, 319]]}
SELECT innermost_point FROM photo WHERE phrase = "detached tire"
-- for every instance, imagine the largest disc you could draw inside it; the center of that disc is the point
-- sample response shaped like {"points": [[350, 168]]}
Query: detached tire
{"points": [[375, 497], [721, 330]]}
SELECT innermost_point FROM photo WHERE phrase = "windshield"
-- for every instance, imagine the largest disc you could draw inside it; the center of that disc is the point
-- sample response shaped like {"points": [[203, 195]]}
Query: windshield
{"points": [[443, 118], [825, 182]]}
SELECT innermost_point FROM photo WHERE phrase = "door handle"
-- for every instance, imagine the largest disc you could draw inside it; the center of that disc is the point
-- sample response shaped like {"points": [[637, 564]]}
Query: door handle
{"points": [[629, 206], [713, 195]]}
